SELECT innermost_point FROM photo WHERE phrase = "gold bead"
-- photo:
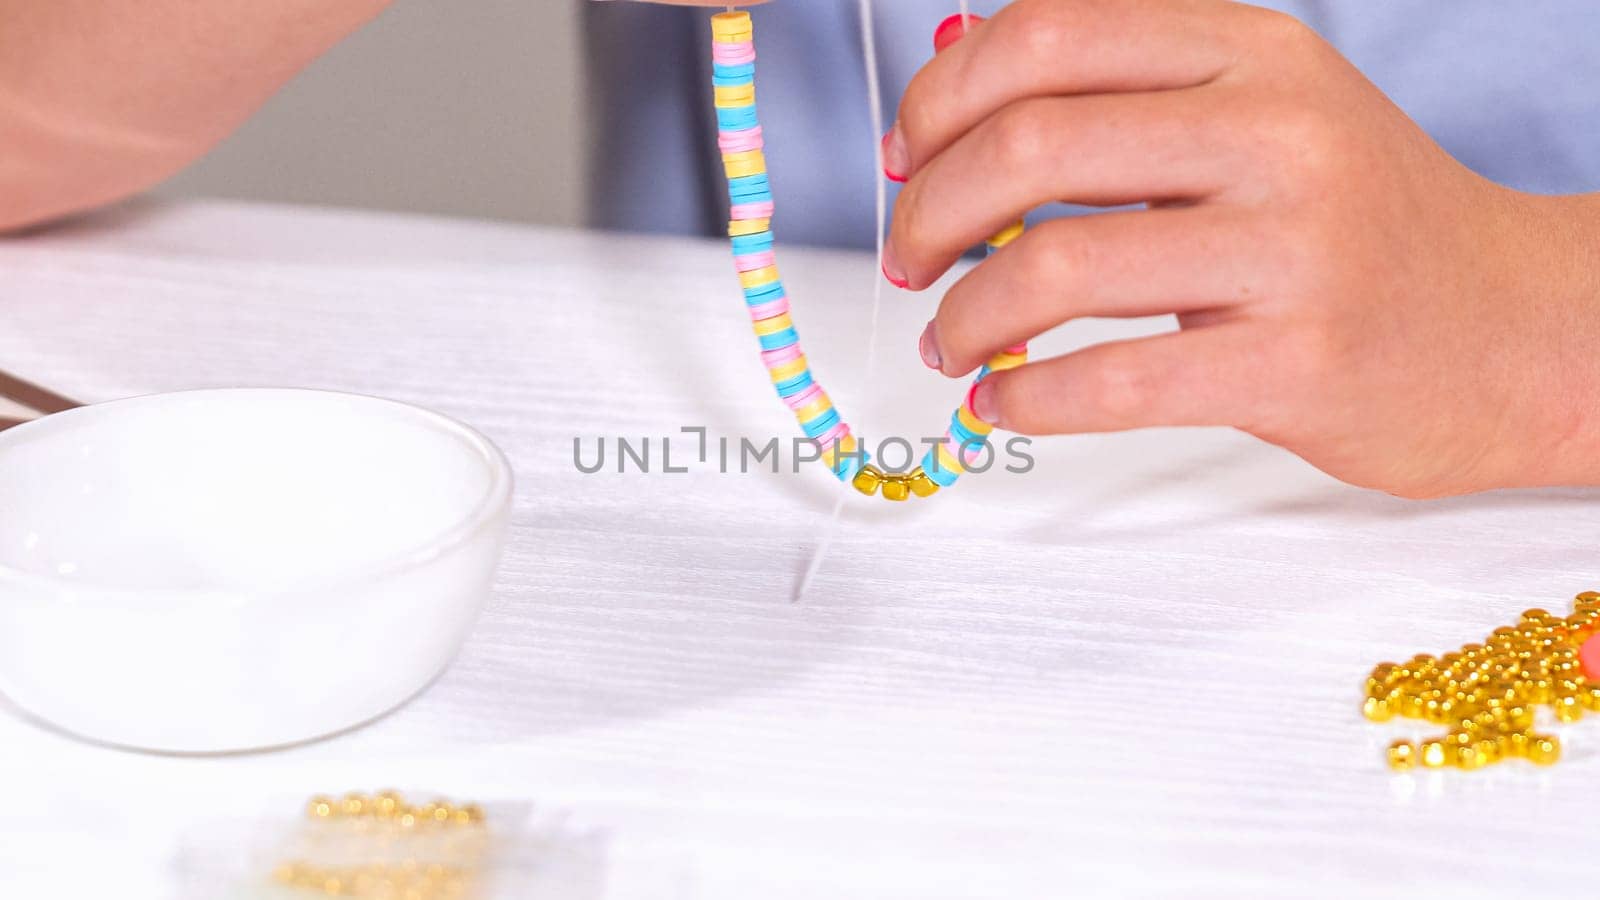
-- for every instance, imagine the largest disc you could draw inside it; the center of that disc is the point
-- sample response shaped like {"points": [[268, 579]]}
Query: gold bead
{"points": [[441, 811], [320, 808], [1544, 749], [896, 488], [1467, 757], [474, 813], [1432, 753], [1377, 710], [285, 873], [353, 804], [1535, 615], [387, 803], [1568, 708], [868, 479], [1402, 755], [921, 484]]}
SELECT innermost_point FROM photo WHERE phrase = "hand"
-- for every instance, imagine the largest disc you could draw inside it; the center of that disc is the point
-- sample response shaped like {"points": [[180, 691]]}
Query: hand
{"points": [[1344, 288]]}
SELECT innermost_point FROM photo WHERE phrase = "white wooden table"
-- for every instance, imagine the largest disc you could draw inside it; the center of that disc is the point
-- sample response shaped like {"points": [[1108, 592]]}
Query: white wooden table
{"points": [[1133, 671]]}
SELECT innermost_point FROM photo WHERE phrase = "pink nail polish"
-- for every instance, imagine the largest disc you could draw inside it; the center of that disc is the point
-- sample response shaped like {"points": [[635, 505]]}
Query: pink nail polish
{"points": [[928, 346], [896, 159], [983, 402], [892, 270]]}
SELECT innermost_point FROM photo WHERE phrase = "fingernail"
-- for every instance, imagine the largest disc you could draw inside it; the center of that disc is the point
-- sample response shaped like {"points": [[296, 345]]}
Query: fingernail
{"points": [[983, 403], [892, 269], [896, 160], [928, 346], [951, 30]]}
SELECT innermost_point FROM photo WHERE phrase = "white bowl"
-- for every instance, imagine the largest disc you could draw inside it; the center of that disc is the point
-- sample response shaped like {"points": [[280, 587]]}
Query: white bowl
{"points": [[226, 570]]}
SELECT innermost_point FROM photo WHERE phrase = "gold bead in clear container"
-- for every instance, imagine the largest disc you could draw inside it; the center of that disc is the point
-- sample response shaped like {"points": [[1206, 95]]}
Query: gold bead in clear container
{"points": [[353, 804]]}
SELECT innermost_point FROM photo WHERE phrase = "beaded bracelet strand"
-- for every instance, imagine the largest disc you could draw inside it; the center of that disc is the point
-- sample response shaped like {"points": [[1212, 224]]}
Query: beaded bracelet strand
{"points": [[750, 230]]}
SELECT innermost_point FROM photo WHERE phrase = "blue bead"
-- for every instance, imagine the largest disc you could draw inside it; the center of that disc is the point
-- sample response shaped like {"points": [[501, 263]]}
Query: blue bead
{"points": [[791, 386], [780, 339], [746, 244], [747, 183], [851, 463], [738, 119], [966, 436], [936, 473], [821, 425], [746, 71], [766, 293]]}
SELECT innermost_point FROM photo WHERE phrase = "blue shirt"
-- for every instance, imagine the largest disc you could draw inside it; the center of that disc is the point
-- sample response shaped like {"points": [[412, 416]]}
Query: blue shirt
{"points": [[1510, 89]]}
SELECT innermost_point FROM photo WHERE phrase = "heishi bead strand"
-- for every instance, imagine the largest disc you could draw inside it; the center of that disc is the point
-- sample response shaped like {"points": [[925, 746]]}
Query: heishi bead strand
{"points": [[742, 145]]}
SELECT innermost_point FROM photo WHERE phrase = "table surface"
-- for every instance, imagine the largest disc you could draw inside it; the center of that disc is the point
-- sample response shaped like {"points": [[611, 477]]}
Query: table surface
{"points": [[1133, 671]]}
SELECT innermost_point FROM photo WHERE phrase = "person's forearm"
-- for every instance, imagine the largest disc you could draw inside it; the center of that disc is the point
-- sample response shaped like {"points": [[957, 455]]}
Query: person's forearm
{"points": [[100, 99]]}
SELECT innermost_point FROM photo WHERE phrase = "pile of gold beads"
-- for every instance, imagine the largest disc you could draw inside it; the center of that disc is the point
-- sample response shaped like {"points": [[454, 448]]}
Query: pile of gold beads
{"points": [[1486, 695], [376, 823], [390, 806], [896, 486]]}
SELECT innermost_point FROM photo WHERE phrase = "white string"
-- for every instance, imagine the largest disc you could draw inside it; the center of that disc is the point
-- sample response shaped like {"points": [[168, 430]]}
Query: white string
{"points": [[869, 58]]}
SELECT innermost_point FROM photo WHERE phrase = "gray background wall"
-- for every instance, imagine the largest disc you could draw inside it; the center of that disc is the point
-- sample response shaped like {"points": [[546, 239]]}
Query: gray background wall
{"points": [[455, 107]]}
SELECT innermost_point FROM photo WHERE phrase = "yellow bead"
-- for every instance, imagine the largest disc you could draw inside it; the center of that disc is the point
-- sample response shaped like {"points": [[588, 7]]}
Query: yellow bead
{"points": [[742, 227], [837, 448], [868, 479], [735, 96], [1402, 755], [970, 421], [744, 163], [1377, 710], [732, 24], [320, 808], [1568, 708], [760, 278], [921, 484], [353, 804], [1011, 233], [788, 370], [896, 488], [1433, 754], [442, 811], [1544, 749], [1002, 361]]}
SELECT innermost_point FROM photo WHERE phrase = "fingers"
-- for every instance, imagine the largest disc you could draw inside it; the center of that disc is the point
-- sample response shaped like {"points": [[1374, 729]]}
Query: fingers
{"points": [[1102, 150], [1123, 264], [1039, 48], [1202, 377]]}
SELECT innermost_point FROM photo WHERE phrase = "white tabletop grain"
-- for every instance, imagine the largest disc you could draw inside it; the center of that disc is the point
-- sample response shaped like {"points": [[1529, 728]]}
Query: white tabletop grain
{"points": [[1133, 671]]}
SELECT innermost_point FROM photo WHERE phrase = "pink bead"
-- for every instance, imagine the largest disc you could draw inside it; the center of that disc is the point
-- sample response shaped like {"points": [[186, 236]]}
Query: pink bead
{"points": [[1018, 348], [768, 310], [733, 54], [836, 435], [774, 358], [741, 141], [1589, 658], [804, 397], [752, 261], [752, 211]]}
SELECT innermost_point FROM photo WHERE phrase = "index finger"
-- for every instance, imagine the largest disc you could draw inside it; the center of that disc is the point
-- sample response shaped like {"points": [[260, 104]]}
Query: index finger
{"points": [[1040, 48]]}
